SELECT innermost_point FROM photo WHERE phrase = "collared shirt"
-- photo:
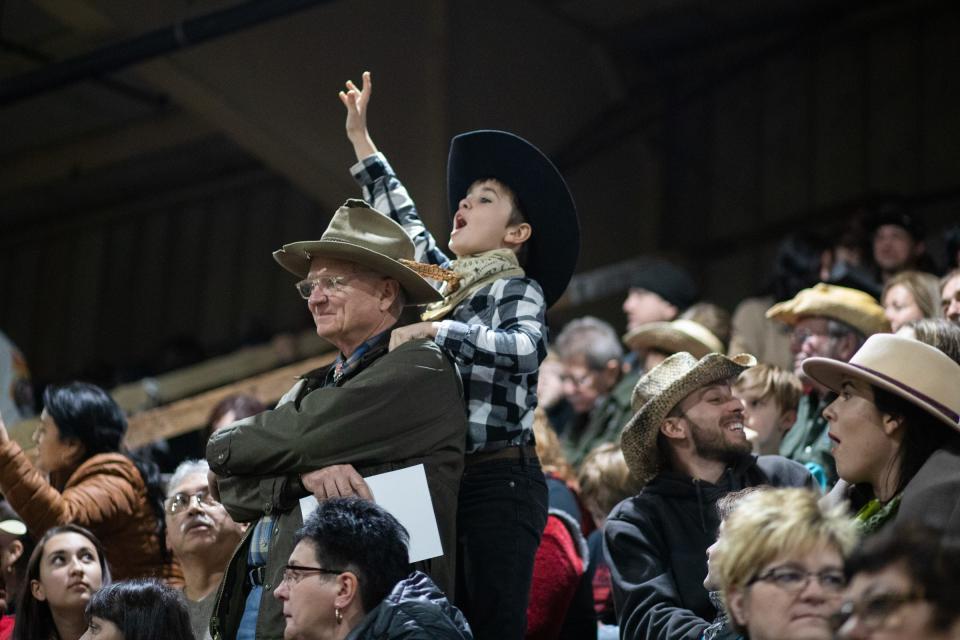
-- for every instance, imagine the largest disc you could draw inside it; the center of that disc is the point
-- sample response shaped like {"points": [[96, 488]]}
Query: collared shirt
{"points": [[497, 336], [343, 369]]}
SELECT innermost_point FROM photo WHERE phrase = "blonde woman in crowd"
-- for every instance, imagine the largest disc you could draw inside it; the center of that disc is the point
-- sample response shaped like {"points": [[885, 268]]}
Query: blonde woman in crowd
{"points": [[910, 295], [779, 565]]}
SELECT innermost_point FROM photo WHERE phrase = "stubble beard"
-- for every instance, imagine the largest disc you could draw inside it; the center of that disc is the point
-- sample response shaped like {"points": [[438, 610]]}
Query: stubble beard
{"points": [[716, 447]]}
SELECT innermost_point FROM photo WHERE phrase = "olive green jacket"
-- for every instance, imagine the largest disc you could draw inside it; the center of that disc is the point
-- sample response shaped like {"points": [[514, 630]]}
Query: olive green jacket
{"points": [[398, 409]]}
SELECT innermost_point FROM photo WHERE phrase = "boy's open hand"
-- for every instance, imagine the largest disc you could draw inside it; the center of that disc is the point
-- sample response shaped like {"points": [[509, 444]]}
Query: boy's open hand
{"points": [[416, 331], [356, 101]]}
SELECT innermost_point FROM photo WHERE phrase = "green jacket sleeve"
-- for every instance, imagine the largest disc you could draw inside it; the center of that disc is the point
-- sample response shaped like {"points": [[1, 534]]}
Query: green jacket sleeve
{"points": [[389, 411]]}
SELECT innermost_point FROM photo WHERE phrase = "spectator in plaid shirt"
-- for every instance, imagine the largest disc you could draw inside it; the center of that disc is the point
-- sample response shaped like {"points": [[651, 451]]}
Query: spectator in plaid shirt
{"points": [[500, 188]]}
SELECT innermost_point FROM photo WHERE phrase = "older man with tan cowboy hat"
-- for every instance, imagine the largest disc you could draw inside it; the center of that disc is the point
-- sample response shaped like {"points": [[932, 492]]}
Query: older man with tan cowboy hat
{"points": [[686, 445], [827, 321], [372, 411]]}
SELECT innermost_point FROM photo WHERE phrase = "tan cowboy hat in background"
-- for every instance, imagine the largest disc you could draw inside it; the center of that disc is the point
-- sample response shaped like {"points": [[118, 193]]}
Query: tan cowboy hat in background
{"points": [[918, 373], [674, 337], [854, 307], [357, 233], [659, 391]]}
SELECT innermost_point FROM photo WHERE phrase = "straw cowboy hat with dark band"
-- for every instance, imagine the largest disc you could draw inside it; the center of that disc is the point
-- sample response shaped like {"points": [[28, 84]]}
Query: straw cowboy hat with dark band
{"points": [[917, 372], [542, 195], [854, 307], [674, 337], [659, 391], [360, 234]]}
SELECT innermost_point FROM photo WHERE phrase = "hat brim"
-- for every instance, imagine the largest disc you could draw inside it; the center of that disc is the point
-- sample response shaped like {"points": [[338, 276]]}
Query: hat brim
{"points": [[13, 527], [638, 439], [667, 339], [831, 374], [296, 257], [554, 245]]}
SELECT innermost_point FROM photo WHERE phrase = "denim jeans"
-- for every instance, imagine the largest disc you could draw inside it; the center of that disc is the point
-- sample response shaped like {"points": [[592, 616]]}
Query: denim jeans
{"points": [[501, 513], [251, 611]]}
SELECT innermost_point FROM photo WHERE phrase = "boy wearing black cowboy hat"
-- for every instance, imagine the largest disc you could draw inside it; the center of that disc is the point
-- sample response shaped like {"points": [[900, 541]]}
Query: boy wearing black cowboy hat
{"points": [[516, 238]]}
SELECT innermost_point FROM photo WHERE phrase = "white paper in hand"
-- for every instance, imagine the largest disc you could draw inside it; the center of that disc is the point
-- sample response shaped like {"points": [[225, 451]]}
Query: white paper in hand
{"points": [[404, 493]]}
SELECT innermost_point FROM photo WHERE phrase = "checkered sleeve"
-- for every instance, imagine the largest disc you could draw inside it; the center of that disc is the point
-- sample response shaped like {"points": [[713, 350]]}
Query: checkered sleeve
{"points": [[384, 192], [511, 339]]}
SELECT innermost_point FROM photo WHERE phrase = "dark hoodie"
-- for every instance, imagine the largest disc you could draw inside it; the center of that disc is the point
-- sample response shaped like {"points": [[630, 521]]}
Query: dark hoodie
{"points": [[415, 609], [656, 544]]}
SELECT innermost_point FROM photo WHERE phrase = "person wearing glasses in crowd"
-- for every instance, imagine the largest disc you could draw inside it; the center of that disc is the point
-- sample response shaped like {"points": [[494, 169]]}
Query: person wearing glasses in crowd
{"points": [[348, 577], [779, 565], [903, 586], [831, 322], [372, 411], [202, 537]]}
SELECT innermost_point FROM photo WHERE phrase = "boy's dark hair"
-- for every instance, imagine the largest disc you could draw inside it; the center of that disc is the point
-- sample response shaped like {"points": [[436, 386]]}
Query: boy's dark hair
{"points": [[351, 534], [931, 562], [516, 215], [142, 610]]}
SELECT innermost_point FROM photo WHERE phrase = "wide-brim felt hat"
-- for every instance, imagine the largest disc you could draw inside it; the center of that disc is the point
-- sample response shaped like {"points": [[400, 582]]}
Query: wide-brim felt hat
{"points": [[856, 308], [360, 234], [659, 391], [917, 372], [674, 337], [544, 198]]}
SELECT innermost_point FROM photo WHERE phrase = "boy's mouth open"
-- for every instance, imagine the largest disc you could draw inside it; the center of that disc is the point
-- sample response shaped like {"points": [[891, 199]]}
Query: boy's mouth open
{"points": [[459, 222]]}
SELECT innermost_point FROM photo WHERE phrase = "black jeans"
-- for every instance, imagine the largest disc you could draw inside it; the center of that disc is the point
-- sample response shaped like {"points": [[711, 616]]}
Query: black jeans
{"points": [[501, 514]]}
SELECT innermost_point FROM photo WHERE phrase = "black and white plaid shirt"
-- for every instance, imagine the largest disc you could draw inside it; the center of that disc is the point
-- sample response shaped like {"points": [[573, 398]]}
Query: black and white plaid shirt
{"points": [[497, 335]]}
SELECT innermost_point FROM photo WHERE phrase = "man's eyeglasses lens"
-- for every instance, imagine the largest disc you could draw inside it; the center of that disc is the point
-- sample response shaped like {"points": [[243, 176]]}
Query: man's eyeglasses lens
{"points": [[181, 501], [326, 284]]}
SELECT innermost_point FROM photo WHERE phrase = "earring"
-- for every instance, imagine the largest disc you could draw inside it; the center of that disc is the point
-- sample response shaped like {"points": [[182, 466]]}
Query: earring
{"points": [[338, 614]]}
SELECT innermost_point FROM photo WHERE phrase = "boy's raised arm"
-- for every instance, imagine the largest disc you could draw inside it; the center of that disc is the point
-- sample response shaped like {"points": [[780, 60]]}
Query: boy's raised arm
{"points": [[355, 101]]}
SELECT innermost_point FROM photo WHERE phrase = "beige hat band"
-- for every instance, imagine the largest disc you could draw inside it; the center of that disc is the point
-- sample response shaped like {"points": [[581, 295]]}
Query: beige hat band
{"points": [[947, 412]]}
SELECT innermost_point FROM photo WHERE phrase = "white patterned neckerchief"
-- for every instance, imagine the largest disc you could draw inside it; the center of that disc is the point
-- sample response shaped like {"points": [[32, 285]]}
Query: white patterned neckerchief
{"points": [[476, 272]]}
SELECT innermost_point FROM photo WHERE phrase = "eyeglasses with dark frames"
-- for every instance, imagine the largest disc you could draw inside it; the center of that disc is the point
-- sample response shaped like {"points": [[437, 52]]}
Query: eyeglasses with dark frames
{"points": [[795, 580], [872, 612], [292, 574]]}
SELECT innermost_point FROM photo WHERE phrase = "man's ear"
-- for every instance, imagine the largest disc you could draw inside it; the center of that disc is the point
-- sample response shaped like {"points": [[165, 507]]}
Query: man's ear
{"points": [[673, 427], [517, 234], [388, 293], [737, 605], [14, 550]]}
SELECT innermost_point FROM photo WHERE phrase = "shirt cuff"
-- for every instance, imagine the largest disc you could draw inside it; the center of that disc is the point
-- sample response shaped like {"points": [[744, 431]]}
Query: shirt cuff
{"points": [[370, 169], [451, 334]]}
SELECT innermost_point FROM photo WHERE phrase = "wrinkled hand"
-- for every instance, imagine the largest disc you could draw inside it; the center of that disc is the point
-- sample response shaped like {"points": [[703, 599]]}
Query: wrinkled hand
{"points": [[213, 486], [336, 481], [415, 331], [356, 101]]}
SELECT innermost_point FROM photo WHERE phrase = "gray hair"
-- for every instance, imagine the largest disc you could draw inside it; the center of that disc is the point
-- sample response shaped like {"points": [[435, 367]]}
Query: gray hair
{"points": [[591, 338], [184, 469]]}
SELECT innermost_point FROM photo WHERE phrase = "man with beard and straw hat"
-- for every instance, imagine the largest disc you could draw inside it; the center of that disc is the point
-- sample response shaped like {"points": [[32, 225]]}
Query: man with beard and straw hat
{"points": [[686, 445], [516, 239]]}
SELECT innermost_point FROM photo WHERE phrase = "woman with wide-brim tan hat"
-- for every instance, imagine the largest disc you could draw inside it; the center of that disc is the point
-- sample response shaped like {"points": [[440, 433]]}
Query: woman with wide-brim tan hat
{"points": [[895, 428]]}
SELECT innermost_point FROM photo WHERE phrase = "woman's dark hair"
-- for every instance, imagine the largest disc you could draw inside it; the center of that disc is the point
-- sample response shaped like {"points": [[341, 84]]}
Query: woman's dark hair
{"points": [[931, 564], [143, 610], [34, 619], [350, 534], [923, 434], [243, 405], [797, 265], [86, 413]]}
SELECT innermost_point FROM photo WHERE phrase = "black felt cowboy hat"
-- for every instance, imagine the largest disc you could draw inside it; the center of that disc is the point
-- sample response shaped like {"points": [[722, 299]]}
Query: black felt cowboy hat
{"points": [[543, 196]]}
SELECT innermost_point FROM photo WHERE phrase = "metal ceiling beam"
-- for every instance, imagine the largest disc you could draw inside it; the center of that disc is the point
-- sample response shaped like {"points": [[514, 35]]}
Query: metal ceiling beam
{"points": [[150, 45]]}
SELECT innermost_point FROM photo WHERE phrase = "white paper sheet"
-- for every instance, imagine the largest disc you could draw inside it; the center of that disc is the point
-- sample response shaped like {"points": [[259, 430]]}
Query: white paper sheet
{"points": [[403, 493]]}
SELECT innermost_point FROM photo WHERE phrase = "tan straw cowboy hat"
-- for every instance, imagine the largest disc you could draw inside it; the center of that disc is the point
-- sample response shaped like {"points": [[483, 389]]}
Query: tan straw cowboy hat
{"points": [[659, 391], [357, 233], [854, 307], [918, 373], [674, 337]]}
